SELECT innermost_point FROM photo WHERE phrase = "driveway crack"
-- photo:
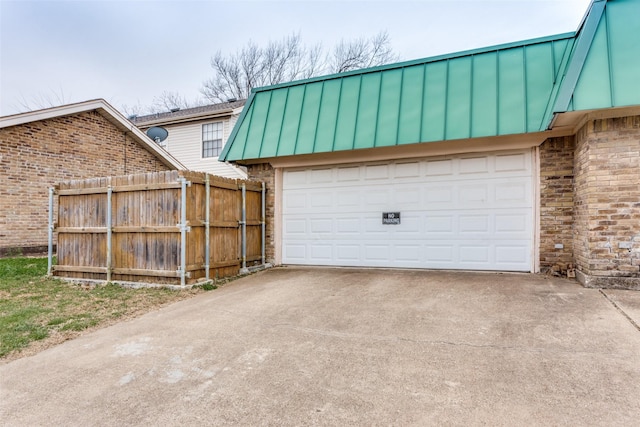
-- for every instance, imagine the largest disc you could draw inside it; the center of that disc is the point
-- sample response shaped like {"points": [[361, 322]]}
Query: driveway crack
{"points": [[617, 307]]}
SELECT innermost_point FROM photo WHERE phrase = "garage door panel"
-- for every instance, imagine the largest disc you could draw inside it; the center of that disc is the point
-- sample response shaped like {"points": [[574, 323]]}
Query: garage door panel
{"points": [[474, 165], [295, 200], [439, 224], [440, 167], [295, 226], [407, 170], [348, 174], [439, 195], [473, 224], [295, 252], [474, 254], [409, 197], [346, 226], [376, 172], [515, 162], [468, 212], [408, 253], [348, 199], [512, 223], [320, 176], [322, 252], [511, 254], [350, 254], [438, 255], [320, 200], [512, 192], [321, 226]]}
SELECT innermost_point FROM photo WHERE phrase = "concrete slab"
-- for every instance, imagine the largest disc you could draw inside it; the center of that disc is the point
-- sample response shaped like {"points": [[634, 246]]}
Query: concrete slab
{"points": [[298, 346], [627, 301]]}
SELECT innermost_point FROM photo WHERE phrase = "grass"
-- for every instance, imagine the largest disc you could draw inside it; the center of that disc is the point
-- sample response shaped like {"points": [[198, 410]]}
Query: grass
{"points": [[36, 310]]}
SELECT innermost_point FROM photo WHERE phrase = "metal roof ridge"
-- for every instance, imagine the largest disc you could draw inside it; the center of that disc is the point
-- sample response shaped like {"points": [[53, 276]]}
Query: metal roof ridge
{"points": [[412, 62], [581, 48], [227, 147]]}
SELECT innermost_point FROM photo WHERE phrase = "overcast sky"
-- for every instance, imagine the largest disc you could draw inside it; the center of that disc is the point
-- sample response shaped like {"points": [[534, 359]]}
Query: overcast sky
{"points": [[127, 52]]}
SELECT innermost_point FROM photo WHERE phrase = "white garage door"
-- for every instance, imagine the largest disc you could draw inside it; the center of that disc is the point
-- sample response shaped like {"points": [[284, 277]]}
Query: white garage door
{"points": [[460, 212]]}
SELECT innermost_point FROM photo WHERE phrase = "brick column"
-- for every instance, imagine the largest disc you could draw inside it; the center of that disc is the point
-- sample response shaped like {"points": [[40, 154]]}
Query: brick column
{"points": [[607, 199], [264, 172], [556, 203]]}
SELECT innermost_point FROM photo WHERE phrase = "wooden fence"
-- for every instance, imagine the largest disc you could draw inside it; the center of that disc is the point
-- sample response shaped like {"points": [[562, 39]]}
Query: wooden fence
{"points": [[172, 228]]}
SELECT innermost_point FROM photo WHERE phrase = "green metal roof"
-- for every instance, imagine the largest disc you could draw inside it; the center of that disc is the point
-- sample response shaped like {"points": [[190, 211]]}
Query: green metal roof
{"points": [[502, 90], [610, 76]]}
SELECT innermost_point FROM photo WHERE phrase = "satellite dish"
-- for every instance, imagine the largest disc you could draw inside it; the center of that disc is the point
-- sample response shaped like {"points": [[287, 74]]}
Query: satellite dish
{"points": [[158, 134]]}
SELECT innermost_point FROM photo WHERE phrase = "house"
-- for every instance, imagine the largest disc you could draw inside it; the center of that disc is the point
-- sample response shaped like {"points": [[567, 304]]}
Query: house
{"points": [[41, 148], [518, 157], [197, 135]]}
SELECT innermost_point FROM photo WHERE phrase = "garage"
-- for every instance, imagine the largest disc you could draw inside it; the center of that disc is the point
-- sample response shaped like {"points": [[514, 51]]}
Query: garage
{"points": [[495, 159], [473, 212]]}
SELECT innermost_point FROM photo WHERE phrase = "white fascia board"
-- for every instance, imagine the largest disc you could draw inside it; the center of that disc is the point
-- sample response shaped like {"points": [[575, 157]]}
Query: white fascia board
{"points": [[49, 113]]}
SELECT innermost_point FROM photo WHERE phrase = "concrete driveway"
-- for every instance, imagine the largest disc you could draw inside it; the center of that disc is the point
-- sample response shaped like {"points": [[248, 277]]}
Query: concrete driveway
{"points": [[314, 346]]}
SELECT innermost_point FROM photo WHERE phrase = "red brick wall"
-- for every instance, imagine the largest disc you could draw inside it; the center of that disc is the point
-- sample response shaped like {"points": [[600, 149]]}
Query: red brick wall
{"points": [[265, 173], [607, 187], [35, 156], [556, 202]]}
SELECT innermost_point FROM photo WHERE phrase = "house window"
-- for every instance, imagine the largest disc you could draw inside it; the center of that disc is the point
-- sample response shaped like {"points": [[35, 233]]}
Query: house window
{"points": [[211, 139]]}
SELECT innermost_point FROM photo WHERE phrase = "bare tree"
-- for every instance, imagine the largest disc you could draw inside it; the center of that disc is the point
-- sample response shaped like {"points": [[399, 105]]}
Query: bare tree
{"points": [[362, 53], [134, 110], [43, 100], [168, 101], [162, 103], [288, 59]]}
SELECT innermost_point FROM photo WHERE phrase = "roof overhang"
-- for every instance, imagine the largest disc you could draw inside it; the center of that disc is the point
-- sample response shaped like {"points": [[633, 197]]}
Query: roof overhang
{"points": [[569, 123], [104, 109], [409, 151]]}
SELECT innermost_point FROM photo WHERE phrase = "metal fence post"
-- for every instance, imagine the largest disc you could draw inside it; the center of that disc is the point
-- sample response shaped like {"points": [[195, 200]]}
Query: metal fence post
{"points": [[264, 224], [50, 234], [109, 232], [244, 269], [207, 206], [183, 230]]}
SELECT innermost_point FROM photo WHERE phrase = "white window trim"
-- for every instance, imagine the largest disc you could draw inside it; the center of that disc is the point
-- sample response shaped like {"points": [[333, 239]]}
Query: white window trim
{"points": [[202, 157]]}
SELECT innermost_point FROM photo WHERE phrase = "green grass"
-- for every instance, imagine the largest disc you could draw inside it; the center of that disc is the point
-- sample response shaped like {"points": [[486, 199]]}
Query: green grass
{"points": [[34, 307]]}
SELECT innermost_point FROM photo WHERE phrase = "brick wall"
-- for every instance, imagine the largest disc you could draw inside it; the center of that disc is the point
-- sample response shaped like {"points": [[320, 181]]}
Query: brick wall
{"points": [[556, 202], [265, 173], [607, 198], [35, 156]]}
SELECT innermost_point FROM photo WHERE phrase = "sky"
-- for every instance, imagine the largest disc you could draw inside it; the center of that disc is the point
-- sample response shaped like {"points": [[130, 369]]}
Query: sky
{"points": [[128, 52]]}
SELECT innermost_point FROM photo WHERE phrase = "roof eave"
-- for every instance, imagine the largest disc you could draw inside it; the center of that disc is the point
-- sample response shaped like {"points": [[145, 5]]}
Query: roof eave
{"points": [[186, 119], [104, 108]]}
